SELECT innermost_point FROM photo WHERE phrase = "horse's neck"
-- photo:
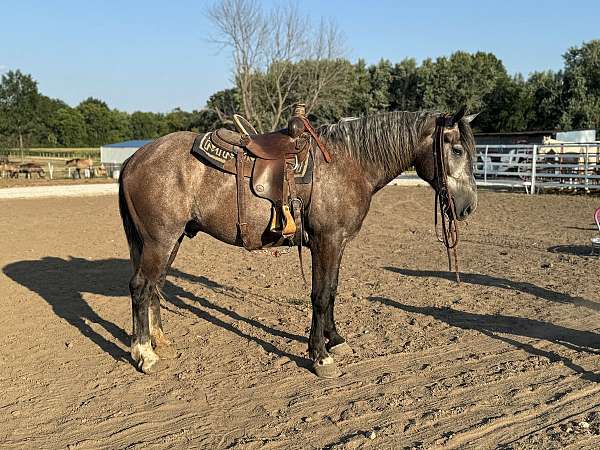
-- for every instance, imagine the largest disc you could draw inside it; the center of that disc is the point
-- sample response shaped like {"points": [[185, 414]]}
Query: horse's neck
{"points": [[381, 172], [371, 175], [379, 176]]}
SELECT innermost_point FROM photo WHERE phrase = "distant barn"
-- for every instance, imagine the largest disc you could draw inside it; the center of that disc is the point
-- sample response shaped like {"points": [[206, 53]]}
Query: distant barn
{"points": [[113, 155]]}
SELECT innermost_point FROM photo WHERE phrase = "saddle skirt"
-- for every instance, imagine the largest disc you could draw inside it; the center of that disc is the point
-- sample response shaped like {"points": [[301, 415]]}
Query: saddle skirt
{"points": [[225, 160]]}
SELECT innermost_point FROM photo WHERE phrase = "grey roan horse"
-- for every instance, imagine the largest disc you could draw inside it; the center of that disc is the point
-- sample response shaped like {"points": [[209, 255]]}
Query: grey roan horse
{"points": [[166, 193]]}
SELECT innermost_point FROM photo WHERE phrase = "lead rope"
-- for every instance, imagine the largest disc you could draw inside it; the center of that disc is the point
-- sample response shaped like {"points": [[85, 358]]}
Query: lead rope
{"points": [[444, 203]]}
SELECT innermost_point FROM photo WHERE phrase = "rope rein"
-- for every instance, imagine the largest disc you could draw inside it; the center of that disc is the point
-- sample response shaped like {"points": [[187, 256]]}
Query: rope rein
{"points": [[444, 202]]}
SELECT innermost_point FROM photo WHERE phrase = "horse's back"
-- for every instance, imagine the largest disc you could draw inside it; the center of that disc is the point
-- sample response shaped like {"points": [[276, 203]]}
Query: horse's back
{"points": [[169, 151]]}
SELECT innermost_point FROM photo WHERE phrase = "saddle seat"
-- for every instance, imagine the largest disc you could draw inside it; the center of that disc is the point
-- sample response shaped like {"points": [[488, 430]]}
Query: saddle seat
{"points": [[269, 146]]}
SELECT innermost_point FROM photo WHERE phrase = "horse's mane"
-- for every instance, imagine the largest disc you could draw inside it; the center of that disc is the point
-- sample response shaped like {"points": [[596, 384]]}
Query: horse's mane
{"points": [[386, 139]]}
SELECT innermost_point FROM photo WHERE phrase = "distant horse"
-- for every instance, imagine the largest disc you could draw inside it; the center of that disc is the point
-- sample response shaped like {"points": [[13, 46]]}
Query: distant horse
{"points": [[165, 193], [79, 164], [100, 171], [30, 168], [9, 170]]}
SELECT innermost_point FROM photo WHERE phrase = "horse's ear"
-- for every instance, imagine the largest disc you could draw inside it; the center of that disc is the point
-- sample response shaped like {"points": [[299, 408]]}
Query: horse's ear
{"points": [[458, 114], [470, 117]]}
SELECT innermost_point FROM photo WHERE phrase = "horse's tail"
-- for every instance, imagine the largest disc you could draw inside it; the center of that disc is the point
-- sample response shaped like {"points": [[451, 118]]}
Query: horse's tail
{"points": [[134, 239]]}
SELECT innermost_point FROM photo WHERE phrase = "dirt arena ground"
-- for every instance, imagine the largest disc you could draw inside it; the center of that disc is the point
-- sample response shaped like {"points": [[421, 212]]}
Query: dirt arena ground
{"points": [[509, 358]]}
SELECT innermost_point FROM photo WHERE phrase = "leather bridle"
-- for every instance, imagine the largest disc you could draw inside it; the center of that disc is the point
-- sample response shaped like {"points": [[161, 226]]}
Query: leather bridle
{"points": [[444, 202]]}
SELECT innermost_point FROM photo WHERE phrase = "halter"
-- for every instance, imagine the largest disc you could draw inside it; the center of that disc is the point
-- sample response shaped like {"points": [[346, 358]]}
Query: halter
{"points": [[444, 203]]}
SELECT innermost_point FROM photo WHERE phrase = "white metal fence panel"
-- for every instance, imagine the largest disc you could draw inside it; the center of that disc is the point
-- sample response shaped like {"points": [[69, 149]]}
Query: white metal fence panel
{"points": [[536, 167]]}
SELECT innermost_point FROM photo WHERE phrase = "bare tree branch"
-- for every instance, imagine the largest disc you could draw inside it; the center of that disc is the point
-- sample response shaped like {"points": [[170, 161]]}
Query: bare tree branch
{"points": [[268, 49]]}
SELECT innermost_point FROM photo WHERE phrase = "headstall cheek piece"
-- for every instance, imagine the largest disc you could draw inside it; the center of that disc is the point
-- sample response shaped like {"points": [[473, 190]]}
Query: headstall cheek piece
{"points": [[444, 203]]}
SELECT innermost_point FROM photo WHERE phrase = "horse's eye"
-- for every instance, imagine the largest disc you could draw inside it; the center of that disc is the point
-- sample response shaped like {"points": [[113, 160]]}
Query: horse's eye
{"points": [[457, 150]]}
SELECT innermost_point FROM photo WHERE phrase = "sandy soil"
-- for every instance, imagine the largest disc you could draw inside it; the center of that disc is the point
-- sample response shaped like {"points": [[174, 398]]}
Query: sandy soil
{"points": [[509, 358], [36, 181]]}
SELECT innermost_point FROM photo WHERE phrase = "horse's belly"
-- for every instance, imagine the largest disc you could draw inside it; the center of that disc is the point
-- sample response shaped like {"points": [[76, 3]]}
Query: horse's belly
{"points": [[216, 214]]}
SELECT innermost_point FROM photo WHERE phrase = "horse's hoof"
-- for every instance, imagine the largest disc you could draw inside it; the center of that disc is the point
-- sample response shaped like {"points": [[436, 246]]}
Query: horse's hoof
{"points": [[166, 351], [157, 366], [341, 349], [326, 368]]}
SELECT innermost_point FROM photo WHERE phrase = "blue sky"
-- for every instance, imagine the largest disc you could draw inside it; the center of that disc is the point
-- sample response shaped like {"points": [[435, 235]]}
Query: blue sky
{"points": [[155, 55]]}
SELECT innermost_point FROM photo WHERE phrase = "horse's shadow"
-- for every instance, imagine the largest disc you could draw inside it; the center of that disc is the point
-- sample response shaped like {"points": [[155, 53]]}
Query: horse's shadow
{"points": [[495, 325], [63, 282], [573, 249], [504, 283]]}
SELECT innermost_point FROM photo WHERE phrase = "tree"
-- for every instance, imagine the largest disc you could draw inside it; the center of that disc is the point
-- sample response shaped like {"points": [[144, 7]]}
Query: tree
{"points": [[360, 90], [204, 120], [582, 86], [265, 47], [176, 120], [120, 129], [462, 79], [19, 99], [42, 131], [380, 79], [69, 127], [103, 125], [224, 104], [330, 103], [545, 89], [508, 107], [147, 125], [403, 95]]}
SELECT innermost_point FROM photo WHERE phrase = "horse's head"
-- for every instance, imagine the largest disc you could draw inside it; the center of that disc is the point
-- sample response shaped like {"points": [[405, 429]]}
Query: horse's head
{"points": [[458, 156]]}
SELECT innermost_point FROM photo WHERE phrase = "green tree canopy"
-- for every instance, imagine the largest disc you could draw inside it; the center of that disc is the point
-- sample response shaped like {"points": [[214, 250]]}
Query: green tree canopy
{"points": [[582, 86], [331, 88], [103, 124], [69, 127], [19, 100], [463, 79], [147, 125]]}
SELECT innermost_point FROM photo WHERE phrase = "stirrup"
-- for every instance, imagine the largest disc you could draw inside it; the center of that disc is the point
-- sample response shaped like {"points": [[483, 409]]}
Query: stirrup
{"points": [[289, 228], [274, 227]]}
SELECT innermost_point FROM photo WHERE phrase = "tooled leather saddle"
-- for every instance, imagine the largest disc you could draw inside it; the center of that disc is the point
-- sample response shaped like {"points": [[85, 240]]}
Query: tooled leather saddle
{"points": [[274, 162]]}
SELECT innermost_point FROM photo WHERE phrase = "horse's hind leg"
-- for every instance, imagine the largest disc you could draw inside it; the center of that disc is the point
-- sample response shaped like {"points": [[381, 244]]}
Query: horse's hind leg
{"points": [[144, 288], [161, 344]]}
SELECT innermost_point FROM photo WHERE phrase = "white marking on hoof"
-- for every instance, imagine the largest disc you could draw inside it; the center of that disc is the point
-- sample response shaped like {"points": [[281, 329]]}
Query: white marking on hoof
{"points": [[326, 368], [145, 357]]}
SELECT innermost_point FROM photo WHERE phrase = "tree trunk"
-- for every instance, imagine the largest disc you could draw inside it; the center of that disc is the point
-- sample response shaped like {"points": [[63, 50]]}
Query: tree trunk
{"points": [[21, 146]]}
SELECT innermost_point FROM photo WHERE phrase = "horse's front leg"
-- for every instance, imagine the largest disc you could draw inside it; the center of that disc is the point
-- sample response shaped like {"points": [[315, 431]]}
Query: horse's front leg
{"points": [[326, 256]]}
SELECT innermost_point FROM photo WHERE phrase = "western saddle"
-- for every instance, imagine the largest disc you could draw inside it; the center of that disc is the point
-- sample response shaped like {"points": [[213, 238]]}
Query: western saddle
{"points": [[269, 160]]}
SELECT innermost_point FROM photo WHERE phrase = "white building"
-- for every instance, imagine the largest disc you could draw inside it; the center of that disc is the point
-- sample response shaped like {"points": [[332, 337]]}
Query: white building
{"points": [[113, 155]]}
